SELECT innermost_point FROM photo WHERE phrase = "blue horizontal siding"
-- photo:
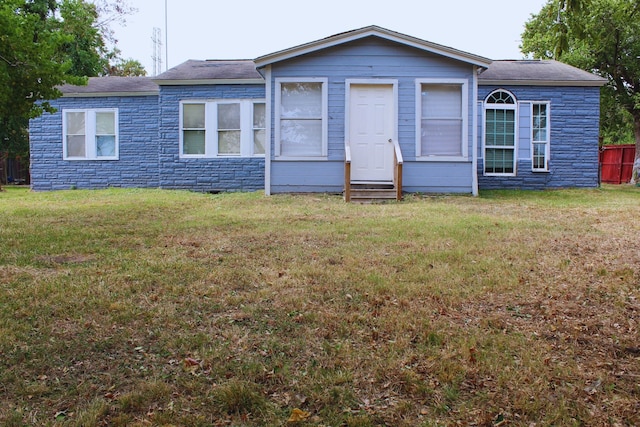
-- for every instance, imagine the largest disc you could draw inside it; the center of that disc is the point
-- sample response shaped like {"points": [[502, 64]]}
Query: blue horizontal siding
{"points": [[138, 145], [307, 177], [437, 177], [575, 114], [371, 58]]}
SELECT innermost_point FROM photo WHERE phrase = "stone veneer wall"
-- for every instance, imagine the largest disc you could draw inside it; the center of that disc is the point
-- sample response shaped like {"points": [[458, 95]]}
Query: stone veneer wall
{"points": [[204, 174], [138, 147], [575, 113]]}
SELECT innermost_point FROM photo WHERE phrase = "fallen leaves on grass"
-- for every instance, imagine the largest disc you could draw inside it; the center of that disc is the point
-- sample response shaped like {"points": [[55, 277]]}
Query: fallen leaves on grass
{"points": [[298, 415]]}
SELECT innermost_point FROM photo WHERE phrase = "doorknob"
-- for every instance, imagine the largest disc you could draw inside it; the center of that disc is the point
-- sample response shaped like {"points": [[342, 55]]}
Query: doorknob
{"points": [[390, 140]]}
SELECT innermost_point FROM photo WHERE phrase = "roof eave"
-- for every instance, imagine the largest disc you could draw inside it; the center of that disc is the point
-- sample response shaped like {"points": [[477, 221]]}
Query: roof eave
{"points": [[195, 82], [342, 38], [571, 83], [106, 94]]}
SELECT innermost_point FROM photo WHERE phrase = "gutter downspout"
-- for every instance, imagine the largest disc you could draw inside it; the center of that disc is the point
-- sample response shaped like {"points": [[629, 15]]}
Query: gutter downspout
{"points": [[267, 148]]}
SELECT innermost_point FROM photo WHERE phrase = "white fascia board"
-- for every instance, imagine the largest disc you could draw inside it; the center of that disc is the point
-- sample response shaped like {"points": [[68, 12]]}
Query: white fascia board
{"points": [[573, 83], [366, 32]]}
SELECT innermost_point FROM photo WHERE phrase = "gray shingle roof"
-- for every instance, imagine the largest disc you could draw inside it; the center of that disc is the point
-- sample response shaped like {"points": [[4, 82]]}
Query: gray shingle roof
{"points": [[101, 86], [525, 72], [210, 70], [538, 72]]}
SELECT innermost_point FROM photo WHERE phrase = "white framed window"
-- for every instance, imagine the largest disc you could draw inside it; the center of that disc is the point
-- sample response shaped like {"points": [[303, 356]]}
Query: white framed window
{"points": [[90, 134], [441, 124], [301, 118], [540, 136], [500, 112], [222, 128], [259, 127]]}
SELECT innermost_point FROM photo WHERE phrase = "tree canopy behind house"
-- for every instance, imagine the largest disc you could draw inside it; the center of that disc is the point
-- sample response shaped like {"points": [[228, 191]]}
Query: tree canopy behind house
{"points": [[47, 43], [602, 36]]}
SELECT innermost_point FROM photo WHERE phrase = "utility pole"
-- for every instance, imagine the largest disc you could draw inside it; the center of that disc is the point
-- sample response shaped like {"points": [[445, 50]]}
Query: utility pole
{"points": [[166, 36]]}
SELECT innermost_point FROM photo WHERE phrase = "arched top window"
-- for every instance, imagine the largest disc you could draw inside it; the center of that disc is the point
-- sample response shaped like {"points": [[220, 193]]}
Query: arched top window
{"points": [[501, 97], [500, 125]]}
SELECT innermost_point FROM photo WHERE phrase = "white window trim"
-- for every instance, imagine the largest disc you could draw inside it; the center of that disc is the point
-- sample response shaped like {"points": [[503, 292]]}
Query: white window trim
{"points": [[211, 128], [324, 118], [515, 108], [90, 133], [547, 152], [464, 83]]}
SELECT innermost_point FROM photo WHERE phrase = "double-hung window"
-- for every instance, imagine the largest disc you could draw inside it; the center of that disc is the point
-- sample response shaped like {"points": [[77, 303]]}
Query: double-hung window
{"points": [[222, 128], [90, 134], [301, 118], [540, 136], [442, 109], [500, 134]]}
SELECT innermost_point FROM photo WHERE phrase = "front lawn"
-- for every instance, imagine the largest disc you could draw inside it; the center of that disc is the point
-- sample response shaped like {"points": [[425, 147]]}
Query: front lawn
{"points": [[151, 307]]}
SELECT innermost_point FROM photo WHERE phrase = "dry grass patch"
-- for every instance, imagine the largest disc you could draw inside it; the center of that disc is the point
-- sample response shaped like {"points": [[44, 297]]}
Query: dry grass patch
{"points": [[130, 307]]}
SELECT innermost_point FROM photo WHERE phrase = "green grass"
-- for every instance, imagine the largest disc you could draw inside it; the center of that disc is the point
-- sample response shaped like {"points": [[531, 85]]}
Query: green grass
{"points": [[150, 307]]}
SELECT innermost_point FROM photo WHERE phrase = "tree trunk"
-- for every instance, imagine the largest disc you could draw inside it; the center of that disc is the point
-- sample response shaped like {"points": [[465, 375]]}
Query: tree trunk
{"points": [[3, 170], [635, 175]]}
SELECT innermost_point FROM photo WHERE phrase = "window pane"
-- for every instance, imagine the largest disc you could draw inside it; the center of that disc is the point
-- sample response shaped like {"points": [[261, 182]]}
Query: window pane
{"points": [[259, 121], [229, 116], [500, 127], [540, 134], [500, 97], [441, 101], [193, 116], [441, 137], [105, 123], [76, 146], [229, 142], [193, 142], [75, 123], [258, 141], [499, 160], [540, 122], [106, 146], [301, 137], [301, 100], [539, 154]]}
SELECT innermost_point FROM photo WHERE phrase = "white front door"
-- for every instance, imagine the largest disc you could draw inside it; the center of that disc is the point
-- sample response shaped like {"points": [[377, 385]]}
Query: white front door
{"points": [[371, 131]]}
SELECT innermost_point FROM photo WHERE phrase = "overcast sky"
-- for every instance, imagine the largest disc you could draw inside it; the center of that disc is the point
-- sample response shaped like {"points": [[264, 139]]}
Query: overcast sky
{"points": [[246, 29]]}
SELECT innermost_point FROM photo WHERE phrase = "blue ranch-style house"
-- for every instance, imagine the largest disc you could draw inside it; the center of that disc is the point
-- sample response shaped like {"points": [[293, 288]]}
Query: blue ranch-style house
{"points": [[365, 110]]}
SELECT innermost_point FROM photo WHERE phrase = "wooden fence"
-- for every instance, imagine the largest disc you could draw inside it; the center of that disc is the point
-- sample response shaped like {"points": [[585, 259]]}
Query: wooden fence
{"points": [[616, 163]]}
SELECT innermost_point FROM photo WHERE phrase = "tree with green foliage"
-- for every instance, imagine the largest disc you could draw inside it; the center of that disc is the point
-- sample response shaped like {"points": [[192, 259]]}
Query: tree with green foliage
{"points": [[47, 43], [601, 36]]}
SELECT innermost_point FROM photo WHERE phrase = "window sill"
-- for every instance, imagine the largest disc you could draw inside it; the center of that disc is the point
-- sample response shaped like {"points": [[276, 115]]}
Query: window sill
{"points": [[540, 170], [90, 159], [442, 159], [230, 156], [301, 159], [500, 174]]}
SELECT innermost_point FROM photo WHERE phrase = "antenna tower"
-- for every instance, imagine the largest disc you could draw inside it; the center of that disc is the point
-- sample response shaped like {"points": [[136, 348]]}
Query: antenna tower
{"points": [[157, 51]]}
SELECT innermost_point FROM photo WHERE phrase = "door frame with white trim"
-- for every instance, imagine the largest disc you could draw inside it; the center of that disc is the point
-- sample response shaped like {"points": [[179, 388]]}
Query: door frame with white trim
{"points": [[373, 176]]}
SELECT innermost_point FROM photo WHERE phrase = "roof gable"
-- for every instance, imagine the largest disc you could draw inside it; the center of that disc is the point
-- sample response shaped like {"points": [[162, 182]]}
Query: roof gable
{"points": [[371, 31]]}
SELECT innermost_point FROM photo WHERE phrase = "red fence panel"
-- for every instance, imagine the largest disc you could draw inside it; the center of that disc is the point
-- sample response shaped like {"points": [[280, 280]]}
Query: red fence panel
{"points": [[616, 163]]}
